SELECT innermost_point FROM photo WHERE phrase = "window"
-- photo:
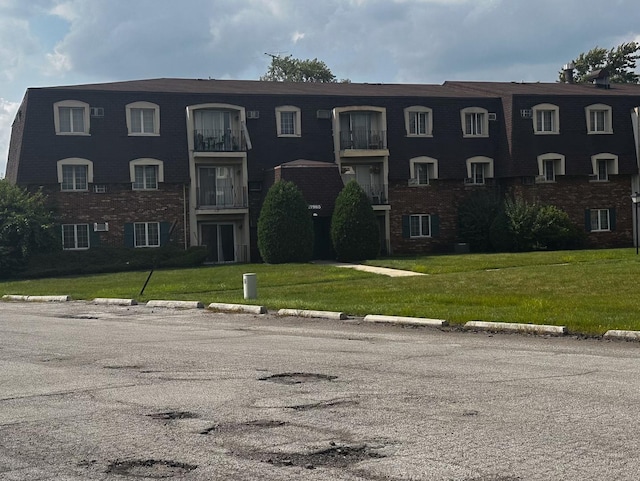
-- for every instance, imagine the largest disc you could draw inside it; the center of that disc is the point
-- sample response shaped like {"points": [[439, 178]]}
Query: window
{"points": [[423, 170], [143, 118], [75, 236], [599, 119], [75, 174], [146, 173], [71, 117], [479, 169], [475, 122], [419, 225], [418, 121], [545, 119], [146, 234], [549, 167], [603, 166], [288, 121], [599, 220]]}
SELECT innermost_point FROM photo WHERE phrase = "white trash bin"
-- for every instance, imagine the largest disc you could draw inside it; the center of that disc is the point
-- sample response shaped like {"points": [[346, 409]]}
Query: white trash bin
{"points": [[250, 285]]}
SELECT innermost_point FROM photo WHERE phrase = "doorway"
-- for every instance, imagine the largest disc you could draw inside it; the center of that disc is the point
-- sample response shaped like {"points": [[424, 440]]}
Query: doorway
{"points": [[220, 242]]}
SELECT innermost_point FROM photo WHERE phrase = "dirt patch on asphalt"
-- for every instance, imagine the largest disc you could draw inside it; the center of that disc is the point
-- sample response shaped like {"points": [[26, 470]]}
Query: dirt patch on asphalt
{"points": [[150, 468], [297, 378]]}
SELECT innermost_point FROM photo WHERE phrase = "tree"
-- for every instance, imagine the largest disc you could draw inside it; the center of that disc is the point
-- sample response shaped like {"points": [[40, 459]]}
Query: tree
{"points": [[354, 227], [619, 62], [285, 228], [289, 69], [26, 227]]}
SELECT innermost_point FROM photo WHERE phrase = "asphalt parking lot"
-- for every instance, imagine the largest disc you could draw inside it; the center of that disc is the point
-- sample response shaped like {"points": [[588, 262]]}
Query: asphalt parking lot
{"points": [[105, 392]]}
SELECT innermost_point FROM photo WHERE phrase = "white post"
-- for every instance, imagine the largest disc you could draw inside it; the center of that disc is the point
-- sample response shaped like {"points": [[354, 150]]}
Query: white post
{"points": [[250, 285]]}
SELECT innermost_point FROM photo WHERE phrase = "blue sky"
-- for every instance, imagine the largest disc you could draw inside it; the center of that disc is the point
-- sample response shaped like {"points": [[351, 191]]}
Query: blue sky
{"points": [[64, 42]]}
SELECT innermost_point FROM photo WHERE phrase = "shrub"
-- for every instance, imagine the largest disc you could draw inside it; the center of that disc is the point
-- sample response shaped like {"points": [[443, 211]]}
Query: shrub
{"points": [[354, 227], [285, 228], [476, 214]]}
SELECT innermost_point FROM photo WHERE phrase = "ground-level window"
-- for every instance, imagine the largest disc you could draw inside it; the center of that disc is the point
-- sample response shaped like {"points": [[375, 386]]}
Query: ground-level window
{"points": [[420, 225], [146, 234], [75, 236], [600, 220]]}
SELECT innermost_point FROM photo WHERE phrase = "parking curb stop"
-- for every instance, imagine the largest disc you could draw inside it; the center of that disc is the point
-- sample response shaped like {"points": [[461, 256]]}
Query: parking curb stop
{"points": [[176, 304], [247, 308], [620, 334], [112, 301], [13, 297], [517, 327], [411, 321], [311, 313]]}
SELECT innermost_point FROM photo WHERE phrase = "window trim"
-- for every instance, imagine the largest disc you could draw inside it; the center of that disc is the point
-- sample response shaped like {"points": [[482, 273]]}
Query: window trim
{"points": [[75, 237], [72, 104], [612, 165], [156, 118], [556, 119], [297, 121], [558, 165], [146, 162], [474, 111], [599, 229], [488, 171], [433, 169], [146, 235], [418, 109], [421, 221], [75, 161], [608, 127]]}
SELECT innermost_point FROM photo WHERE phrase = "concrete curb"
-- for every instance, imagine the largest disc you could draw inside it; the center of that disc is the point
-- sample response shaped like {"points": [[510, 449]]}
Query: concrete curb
{"points": [[112, 301], [618, 334], [411, 321], [248, 308], [306, 313], [176, 304], [516, 327], [11, 297]]}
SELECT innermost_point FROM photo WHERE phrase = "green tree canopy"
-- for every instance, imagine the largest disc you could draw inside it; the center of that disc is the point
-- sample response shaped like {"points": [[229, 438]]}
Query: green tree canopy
{"points": [[285, 228], [26, 227], [619, 62], [289, 69], [354, 227]]}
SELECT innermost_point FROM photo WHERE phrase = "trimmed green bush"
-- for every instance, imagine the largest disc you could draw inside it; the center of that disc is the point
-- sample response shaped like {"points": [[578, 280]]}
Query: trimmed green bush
{"points": [[285, 228], [354, 227], [476, 214]]}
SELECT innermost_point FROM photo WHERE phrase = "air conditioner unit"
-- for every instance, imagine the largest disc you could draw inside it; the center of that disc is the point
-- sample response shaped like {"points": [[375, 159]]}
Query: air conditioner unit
{"points": [[540, 179], [99, 188], [492, 116], [469, 180], [526, 113], [101, 227], [413, 182], [323, 114], [97, 111], [253, 114], [593, 176]]}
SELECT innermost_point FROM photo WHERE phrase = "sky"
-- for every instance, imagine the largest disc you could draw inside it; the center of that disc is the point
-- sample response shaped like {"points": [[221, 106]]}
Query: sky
{"points": [[66, 42]]}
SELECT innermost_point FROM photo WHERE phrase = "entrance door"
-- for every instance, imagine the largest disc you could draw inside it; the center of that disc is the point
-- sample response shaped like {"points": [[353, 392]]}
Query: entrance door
{"points": [[220, 242]]}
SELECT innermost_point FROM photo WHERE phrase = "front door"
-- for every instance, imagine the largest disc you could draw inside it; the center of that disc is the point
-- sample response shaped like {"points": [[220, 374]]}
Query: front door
{"points": [[219, 239]]}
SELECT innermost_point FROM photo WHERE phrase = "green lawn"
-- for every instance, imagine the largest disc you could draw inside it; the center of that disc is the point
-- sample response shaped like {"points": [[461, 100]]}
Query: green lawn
{"points": [[588, 291]]}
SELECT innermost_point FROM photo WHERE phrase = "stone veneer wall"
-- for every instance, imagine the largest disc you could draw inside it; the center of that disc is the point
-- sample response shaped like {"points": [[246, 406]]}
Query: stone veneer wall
{"points": [[119, 205]]}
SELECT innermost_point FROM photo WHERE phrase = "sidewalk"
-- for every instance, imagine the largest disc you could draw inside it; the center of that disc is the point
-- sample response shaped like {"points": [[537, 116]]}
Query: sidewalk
{"points": [[385, 271]]}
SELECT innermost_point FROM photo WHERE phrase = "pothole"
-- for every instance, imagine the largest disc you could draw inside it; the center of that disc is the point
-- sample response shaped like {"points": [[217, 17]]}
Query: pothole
{"points": [[323, 404], [150, 468], [257, 424], [297, 378], [123, 366], [335, 456], [77, 316], [169, 415]]}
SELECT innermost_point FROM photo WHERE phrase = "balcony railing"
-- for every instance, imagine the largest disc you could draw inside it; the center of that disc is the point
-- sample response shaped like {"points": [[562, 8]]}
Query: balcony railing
{"points": [[376, 193], [222, 198], [219, 141], [361, 139]]}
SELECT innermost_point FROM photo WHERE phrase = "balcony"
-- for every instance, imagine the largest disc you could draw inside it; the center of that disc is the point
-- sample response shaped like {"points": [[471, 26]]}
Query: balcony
{"points": [[222, 198], [376, 193], [219, 141], [361, 139]]}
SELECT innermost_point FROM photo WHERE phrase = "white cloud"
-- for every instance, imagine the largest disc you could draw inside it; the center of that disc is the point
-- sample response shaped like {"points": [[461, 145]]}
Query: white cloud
{"points": [[57, 62], [297, 36], [7, 114]]}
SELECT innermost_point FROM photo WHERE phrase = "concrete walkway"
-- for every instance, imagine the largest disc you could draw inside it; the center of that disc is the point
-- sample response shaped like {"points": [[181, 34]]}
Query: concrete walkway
{"points": [[385, 271]]}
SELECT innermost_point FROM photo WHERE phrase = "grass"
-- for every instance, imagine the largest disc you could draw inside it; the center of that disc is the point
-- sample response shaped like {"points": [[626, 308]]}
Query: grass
{"points": [[589, 291]]}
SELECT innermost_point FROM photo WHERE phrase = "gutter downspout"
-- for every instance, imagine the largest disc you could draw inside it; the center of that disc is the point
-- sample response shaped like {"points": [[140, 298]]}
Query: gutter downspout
{"points": [[184, 216]]}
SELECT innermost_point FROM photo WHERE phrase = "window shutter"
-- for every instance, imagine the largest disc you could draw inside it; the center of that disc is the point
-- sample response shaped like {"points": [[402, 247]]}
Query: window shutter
{"points": [[406, 232], [164, 233], [612, 219], [435, 225], [587, 220], [94, 237], [128, 235]]}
